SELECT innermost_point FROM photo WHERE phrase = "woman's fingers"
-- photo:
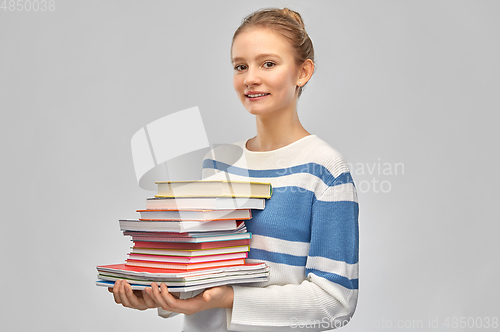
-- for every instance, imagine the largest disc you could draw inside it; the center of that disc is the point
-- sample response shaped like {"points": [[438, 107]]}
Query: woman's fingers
{"points": [[158, 298], [116, 292], [148, 300], [136, 299], [169, 299], [123, 294], [133, 300], [187, 306]]}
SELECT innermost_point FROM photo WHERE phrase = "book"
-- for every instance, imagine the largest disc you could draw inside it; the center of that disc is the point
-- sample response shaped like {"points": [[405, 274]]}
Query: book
{"points": [[209, 188], [195, 276], [185, 267], [190, 246], [135, 286], [190, 281], [164, 274], [190, 253], [204, 203], [198, 215], [177, 226], [186, 259], [182, 281], [192, 238], [240, 228]]}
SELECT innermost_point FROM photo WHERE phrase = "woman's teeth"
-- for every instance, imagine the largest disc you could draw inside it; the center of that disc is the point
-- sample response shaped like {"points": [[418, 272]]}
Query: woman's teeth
{"points": [[258, 95]]}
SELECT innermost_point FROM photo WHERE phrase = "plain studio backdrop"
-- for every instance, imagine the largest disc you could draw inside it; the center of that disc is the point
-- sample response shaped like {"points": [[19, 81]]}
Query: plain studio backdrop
{"points": [[405, 90]]}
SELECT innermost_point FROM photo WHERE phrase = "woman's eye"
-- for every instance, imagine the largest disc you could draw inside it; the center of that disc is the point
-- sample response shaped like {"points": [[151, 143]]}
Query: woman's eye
{"points": [[240, 67], [268, 64]]}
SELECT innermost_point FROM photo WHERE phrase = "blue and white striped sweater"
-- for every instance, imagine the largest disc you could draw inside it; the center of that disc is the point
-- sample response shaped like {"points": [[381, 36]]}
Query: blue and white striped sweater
{"points": [[307, 234]]}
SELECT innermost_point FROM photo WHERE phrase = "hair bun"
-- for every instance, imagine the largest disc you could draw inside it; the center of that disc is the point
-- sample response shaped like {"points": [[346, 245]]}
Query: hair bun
{"points": [[293, 14]]}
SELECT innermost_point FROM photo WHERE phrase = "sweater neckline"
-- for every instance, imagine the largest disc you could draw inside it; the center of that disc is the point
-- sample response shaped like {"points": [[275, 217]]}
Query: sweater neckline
{"points": [[275, 150]]}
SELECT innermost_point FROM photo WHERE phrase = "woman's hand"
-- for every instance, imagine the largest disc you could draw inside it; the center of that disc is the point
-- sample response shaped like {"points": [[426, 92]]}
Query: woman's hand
{"points": [[215, 297], [136, 299]]}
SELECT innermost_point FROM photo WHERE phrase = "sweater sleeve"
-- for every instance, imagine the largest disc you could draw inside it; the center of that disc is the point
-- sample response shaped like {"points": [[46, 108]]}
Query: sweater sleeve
{"points": [[327, 297]]}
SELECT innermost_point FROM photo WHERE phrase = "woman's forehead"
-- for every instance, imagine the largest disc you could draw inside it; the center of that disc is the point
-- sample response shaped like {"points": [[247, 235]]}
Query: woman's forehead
{"points": [[260, 41]]}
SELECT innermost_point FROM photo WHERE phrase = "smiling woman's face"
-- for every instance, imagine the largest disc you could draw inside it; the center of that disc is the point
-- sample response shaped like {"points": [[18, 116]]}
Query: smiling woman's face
{"points": [[265, 75]]}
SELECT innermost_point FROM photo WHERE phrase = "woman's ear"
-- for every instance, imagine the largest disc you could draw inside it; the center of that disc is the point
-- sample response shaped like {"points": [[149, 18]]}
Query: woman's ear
{"points": [[305, 72]]}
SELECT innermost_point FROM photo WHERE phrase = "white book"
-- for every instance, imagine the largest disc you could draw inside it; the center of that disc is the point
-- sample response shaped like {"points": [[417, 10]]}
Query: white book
{"points": [[181, 282], [206, 203], [198, 215], [198, 275], [192, 239], [155, 274], [190, 253], [174, 289], [186, 260], [177, 226]]}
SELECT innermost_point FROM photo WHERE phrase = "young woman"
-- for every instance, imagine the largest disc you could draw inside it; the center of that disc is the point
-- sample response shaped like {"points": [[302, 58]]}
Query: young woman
{"points": [[308, 232]]}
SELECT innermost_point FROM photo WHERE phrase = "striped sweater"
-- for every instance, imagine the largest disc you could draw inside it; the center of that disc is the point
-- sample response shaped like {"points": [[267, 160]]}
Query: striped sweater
{"points": [[307, 234]]}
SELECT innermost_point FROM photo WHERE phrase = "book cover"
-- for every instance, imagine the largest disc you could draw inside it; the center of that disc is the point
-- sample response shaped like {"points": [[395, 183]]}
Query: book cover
{"points": [[190, 246], [186, 259], [190, 253], [214, 188], [177, 226], [148, 272], [185, 267], [205, 203], [198, 215]]}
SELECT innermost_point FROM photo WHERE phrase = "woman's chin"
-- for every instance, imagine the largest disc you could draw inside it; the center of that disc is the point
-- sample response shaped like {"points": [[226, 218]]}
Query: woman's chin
{"points": [[258, 113], [258, 110]]}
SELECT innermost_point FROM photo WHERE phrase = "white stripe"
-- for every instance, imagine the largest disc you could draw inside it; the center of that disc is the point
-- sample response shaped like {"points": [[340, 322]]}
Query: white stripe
{"points": [[305, 181], [344, 269], [301, 180], [341, 192], [278, 245]]}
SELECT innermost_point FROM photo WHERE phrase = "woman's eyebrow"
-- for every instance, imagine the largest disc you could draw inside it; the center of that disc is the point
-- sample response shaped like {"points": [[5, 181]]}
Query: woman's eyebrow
{"points": [[260, 56]]}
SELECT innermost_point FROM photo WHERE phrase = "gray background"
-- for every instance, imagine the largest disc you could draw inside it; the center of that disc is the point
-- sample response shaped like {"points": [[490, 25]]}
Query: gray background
{"points": [[397, 82]]}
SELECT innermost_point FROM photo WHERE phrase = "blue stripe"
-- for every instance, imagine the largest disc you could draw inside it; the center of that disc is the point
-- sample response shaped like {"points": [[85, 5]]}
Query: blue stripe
{"points": [[335, 227], [342, 179], [330, 227], [311, 168], [338, 279], [276, 257], [287, 216]]}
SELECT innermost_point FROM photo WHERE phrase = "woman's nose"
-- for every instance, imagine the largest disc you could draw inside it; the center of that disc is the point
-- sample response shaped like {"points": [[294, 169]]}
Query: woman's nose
{"points": [[252, 77]]}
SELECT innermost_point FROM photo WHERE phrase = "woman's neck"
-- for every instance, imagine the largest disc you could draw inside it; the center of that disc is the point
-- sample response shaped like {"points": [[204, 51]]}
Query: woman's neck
{"points": [[276, 131]]}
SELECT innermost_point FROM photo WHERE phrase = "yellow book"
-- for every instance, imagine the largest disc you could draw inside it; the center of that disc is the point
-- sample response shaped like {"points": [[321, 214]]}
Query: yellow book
{"points": [[214, 188]]}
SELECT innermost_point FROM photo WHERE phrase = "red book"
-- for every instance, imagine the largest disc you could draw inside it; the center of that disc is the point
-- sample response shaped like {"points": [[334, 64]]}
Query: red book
{"points": [[187, 260], [185, 267], [190, 246]]}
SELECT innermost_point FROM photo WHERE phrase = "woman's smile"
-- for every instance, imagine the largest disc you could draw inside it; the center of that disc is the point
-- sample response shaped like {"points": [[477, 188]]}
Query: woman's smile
{"points": [[256, 95]]}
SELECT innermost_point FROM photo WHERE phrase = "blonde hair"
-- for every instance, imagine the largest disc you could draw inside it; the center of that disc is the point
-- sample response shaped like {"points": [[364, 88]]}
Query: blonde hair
{"points": [[287, 23]]}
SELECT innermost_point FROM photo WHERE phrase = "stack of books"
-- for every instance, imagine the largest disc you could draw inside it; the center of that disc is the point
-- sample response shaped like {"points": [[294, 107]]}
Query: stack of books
{"points": [[192, 236]]}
